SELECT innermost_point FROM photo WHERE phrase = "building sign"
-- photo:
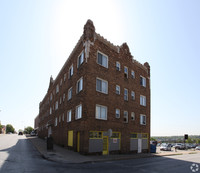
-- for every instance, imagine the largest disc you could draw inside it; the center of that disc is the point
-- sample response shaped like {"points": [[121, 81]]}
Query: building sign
{"points": [[114, 140]]}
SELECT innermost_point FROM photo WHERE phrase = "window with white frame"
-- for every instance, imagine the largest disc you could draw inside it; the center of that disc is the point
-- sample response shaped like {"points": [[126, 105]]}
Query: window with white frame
{"points": [[63, 117], [69, 115], [78, 112], [125, 117], [79, 85], [56, 105], [102, 59], [117, 113], [63, 97], [70, 71], [50, 111], [125, 94], [101, 112], [118, 89], [69, 93], [125, 71], [132, 95], [56, 121], [142, 100], [132, 116], [80, 59], [142, 81], [118, 66], [57, 88], [102, 86], [132, 74], [142, 119]]}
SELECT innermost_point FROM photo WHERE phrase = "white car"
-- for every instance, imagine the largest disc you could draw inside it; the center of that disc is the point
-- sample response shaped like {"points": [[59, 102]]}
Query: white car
{"points": [[32, 134], [197, 148], [165, 147]]}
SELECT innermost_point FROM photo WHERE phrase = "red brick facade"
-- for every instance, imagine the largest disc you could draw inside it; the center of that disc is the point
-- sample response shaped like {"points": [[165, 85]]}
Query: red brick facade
{"points": [[97, 50]]}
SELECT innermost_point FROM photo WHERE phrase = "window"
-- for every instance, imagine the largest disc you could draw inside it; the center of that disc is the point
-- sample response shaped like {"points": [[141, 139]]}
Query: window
{"points": [[59, 118], [60, 100], [70, 71], [80, 59], [101, 112], [60, 82], [70, 93], [125, 117], [142, 100], [102, 86], [132, 95], [56, 105], [117, 66], [57, 88], [78, 111], [102, 60], [56, 121], [125, 71], [142, 81], [115, 135], [50, 111], [51, 97], [132, 74], [95, 134], [63, 97], [143, 119], [69, 115], [117, 113], [63, 117], [125, 94], [118, 89], [64, 77], [132, 116], [134, 135], [79, 85]]}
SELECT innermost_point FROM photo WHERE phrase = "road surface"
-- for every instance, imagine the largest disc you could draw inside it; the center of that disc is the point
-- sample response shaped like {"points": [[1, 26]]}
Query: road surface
{"points": [[18, 155]]}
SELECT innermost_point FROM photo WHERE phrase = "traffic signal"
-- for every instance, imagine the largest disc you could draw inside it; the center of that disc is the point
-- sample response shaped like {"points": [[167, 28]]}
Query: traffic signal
{"points": [[186, 136]]}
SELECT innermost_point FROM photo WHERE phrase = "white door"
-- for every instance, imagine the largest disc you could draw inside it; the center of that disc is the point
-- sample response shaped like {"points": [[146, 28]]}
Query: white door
{"points": [[139, 145]]}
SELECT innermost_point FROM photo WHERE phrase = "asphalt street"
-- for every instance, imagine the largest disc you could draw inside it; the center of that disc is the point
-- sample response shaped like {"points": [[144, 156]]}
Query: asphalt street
{"points": [[18, 155]]}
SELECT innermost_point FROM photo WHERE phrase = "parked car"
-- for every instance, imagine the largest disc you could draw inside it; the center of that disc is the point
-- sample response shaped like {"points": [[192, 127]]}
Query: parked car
{"points": [[33, 134], [180, 146], [197, 148], [165, 147], [20, 133]]}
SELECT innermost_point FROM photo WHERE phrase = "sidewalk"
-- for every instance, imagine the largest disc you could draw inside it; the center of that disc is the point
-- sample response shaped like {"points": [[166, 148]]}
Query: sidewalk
{"points": [[63, 155]]}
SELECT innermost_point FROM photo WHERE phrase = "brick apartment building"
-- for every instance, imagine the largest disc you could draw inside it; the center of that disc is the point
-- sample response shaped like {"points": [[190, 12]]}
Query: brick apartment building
{"points": [[100, 87]]}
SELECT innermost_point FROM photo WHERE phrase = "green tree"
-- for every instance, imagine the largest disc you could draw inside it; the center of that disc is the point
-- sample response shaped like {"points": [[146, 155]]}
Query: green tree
{"points": [[189, 140], [9, 128], [28, 129], [152, 139]]}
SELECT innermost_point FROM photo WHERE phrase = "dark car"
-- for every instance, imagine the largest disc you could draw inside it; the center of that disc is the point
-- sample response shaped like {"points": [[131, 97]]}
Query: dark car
{"points": [[20, 133]]}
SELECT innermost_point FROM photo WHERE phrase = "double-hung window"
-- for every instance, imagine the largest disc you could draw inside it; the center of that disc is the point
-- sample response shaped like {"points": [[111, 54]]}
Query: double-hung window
{"points": [[80, 59], [125, 72], [117, 66], [132, 74], [142, 100], [132, 116], [69, 93], [125, 117], [71, 71], [79, 85], [56, 121], [102, 59], [78, 112], [102, 86], [101, 112], [69, 115], [50, 111], [57, 88], [132, 95], [142, 81], [117, 89], [142, 119], [117, 113], [125, 94], [56, 105]]}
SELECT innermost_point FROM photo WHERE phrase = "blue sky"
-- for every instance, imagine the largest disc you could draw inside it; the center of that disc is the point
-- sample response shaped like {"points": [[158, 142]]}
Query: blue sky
{"points": [[36, 38]]}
